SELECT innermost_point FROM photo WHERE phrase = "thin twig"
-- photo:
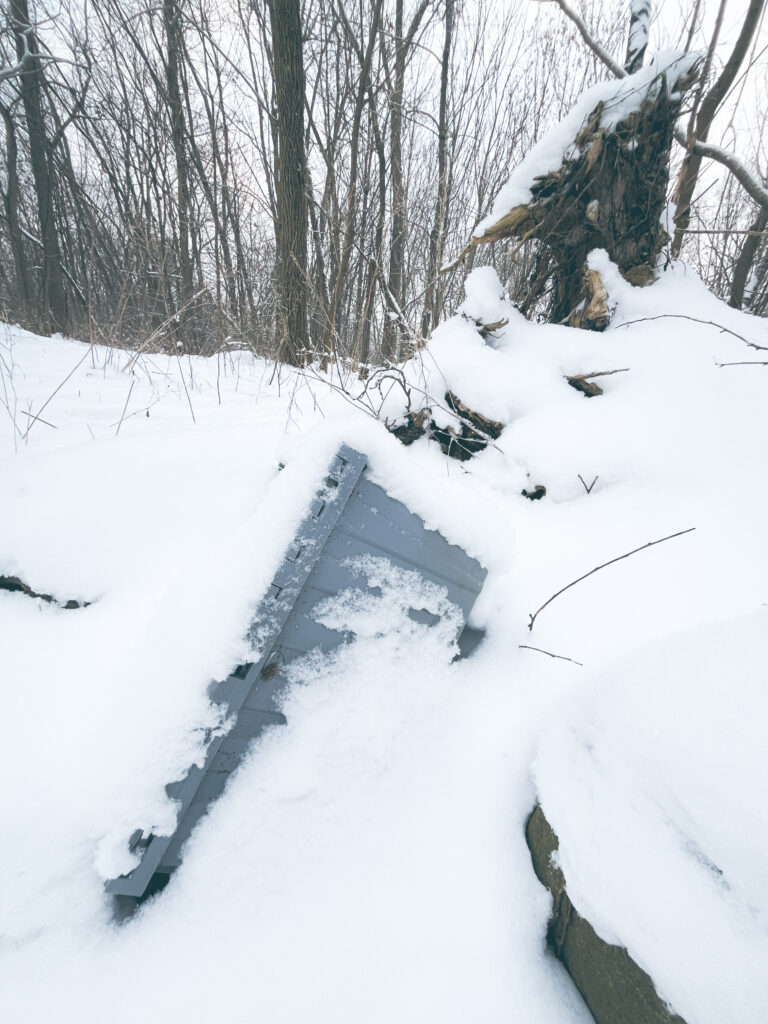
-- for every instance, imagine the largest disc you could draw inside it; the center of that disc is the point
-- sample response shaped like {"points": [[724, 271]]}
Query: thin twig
{"points": [[588, 489], [597, 373], [39, 419], [186, 392], [561, 657], [696, 320], [723, 231], [746, 362], [158, 331], [36, 417], [125, 407], [650, 544]]}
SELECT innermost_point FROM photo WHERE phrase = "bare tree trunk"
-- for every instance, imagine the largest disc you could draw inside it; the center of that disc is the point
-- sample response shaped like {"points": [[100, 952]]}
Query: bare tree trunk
{"points": [[290, 181], [54, 300], [403, 43], [757, 300], [437, 235], [746, 259], [171, 18], [365, 57], [689, 172], [637, 43], [397, 243], [11, 204]]}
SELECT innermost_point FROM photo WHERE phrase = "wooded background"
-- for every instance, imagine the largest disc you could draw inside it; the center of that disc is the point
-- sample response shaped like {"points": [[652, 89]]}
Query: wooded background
{"points": [[171, 172]]}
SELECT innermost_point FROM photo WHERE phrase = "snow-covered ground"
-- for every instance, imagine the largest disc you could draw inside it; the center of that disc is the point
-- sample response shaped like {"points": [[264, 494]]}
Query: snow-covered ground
{"points": [[368, 863]]}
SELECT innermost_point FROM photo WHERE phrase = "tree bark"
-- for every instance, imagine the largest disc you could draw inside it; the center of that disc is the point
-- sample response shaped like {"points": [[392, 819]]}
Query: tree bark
{"points": [[11, 204], [437, 235], [395, 283], [637, 43], [54, 312], [689, 172], [746, 259], [397, 244], [290, 182], [171, 19], [609, 193]]}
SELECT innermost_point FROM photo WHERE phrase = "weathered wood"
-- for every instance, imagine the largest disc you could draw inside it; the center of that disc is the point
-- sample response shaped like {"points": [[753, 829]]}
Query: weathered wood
{"points": [[608, 193], [491, 428], [412, 427], [593, 314], [584, 383], [472, 434]]}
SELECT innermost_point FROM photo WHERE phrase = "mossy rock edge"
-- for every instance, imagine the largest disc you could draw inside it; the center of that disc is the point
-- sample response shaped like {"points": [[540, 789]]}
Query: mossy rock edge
{"points": [[615, 989]]}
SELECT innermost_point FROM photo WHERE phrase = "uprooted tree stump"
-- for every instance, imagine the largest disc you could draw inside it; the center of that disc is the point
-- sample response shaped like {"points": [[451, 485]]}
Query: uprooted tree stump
{"points": [[608, 193]]}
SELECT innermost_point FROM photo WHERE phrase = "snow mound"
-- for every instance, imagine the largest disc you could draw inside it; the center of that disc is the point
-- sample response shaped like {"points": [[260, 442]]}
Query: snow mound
{"points": [[654, 779]]}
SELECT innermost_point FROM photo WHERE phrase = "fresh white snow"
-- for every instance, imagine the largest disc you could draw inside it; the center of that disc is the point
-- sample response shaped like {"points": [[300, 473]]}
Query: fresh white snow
{"points": [[368, 862]]}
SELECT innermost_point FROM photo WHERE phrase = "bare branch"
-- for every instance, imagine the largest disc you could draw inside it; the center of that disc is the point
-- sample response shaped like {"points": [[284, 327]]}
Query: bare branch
{"points": [[588, 489], [745, 177], [590, 40], [597, 373], [746, 362], [560, 657], [597, 568], [36, 417], [696, 320]]}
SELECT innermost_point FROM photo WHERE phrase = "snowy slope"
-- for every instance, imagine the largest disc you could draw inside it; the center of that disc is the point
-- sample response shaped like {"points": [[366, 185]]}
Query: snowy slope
{"points": [[368, 862]]}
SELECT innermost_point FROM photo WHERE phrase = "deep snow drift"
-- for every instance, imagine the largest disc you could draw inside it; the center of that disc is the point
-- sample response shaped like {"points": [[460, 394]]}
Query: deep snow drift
{"points": [[368, 862]]}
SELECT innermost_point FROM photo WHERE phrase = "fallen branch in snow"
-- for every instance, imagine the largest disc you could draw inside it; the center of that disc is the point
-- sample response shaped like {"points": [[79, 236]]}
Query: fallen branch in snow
{"points": [[39, 419], [583, 381], [746, 362], [477, 431], [650, 544], [17, 586], [487, 329], [483, 424], [696, 320], [598, 373], [561, 657], [586, 387]]}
